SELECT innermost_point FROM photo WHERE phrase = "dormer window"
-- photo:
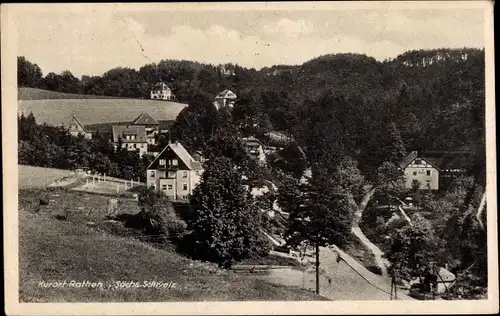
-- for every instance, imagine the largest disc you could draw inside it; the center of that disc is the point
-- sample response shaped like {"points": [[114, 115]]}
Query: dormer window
{"points": [[162, 162]]}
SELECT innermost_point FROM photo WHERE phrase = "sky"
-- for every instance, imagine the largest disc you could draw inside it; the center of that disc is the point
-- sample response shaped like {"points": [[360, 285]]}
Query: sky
{"points": [[89, 39]]}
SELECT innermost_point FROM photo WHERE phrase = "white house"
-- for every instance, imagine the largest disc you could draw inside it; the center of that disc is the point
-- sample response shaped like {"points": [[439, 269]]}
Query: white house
{"points": [[225, 98], [420, 170], [175, 172], [161, 91]]}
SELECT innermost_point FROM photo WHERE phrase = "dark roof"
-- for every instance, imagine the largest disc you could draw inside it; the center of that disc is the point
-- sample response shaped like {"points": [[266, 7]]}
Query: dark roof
{"points": [[122, 130], [182, 154], [145, 119], [226, 94], [73, 118], [161, 85], [251, 140], [441, 160], [409, 158]]}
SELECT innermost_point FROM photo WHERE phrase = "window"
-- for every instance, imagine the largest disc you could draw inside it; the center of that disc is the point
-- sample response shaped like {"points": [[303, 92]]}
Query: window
{"points": [[174, 162], [184, 174], [162, 162], [152, 174], [169, 187], [428, 172], [127, 137], [142, 146], [163, 187], [414, 173], [134, 145], [185, 186], [418, 161], [171, 174]]}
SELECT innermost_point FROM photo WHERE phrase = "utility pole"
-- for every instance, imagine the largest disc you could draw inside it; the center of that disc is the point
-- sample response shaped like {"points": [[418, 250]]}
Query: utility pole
{"points": [[317, 267]]}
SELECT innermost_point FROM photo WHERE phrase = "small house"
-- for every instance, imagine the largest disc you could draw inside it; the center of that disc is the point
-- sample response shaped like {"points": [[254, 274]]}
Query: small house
{"points": [[421, 171], [226, 98], [433, 169], [255, 148], [161, 91], [131, 137], [174, 172], [76, 129], [444, 280]]}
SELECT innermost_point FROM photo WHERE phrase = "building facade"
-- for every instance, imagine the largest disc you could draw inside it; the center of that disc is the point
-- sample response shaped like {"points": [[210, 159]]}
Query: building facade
{"points": [[255, 148], [161, 91], [150, 125], [421, 171], [174, 172], [76, 129], [131, 137], [226, 98]]}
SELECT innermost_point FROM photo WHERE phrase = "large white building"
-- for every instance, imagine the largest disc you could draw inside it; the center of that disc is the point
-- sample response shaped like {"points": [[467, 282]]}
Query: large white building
{"points": [[161, 91], [174, 172]]}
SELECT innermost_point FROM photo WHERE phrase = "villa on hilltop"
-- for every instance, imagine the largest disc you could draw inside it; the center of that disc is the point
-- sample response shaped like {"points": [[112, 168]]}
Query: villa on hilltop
{"points": [[161, 91]]}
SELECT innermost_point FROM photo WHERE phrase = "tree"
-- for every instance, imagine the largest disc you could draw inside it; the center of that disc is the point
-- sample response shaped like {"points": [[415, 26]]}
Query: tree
{"points": [[223, 221], [157, 216], [321, 215], [412, 249], [195, 124], [390, 183], [28, 74]]}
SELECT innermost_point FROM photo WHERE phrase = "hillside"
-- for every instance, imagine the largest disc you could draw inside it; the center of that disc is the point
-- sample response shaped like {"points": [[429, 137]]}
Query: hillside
{"points": [[52, 250], [41, 94], [94, 111]]}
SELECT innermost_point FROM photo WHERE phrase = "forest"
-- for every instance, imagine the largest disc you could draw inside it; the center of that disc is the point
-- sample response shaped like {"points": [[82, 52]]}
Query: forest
{"points": [[352, 119]]}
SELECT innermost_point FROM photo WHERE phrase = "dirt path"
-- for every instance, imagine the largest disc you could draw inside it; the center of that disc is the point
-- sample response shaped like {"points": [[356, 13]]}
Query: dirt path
{"points": [[382, 263], [344, 279], [480, 210]]}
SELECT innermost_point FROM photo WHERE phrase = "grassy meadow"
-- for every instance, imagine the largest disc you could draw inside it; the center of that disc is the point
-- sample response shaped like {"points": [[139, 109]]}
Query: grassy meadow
{"points": [[40, 94], [87, 247], [59, 108]]}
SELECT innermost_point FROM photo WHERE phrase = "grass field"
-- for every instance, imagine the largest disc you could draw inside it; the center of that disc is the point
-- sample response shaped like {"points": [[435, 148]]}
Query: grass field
{"points": [[38, 177], [40, 94], [93, 111], [52, 250], [56, 108]]}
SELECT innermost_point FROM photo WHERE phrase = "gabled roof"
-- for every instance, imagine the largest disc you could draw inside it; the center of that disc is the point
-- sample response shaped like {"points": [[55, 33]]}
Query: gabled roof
{"points": [[161, 85], [145, 119], [80, 126], [408, 159], [182, 154], [251, 139], [226, 94], [122, 130]]}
